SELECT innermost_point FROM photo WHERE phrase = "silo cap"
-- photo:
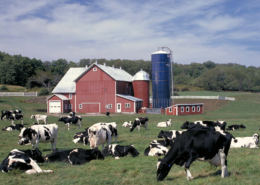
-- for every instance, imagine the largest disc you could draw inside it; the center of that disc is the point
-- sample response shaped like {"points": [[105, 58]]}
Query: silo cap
{"points": [[160, 52], [141, 75]]}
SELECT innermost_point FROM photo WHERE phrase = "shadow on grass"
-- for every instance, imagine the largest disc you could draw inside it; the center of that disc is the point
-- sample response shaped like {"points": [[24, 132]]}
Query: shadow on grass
{"points": [[217, 173]]}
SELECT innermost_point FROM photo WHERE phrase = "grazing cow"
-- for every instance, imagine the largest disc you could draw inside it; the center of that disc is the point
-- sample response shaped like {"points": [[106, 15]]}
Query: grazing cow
{"points": [[40, 117], [210, 125], [81, 137], [139, 122], [14, 117], [155, 149], [99, 134], [74, 156], [127, 124], [246, 142], [165, 123], [11, 127], [71, 120], [25, 160], [112, 126], [119, 151], [41, 134], [108, 114], [235, 127], [202, 145], [170, 135], [6, 114], [17, 111], [24, 141]]}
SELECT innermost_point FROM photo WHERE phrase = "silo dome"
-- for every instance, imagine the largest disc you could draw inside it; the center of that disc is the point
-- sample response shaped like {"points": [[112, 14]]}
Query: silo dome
{"points": [[141, 82]]}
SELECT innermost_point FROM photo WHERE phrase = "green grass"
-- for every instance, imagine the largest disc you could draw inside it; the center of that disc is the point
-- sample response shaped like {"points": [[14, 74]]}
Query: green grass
{"points": [[243, 164]]}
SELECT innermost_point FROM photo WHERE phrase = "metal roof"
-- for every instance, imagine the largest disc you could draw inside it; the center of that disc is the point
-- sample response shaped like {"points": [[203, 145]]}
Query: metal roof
{"points": [[141, 75], [67, 84], [129, 97], [160, 52], [185, 104], [62, 97]]}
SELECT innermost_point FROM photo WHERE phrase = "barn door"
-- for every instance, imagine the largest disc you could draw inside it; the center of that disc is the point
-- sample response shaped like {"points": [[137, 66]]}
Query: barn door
{"points": [[118, 107]]}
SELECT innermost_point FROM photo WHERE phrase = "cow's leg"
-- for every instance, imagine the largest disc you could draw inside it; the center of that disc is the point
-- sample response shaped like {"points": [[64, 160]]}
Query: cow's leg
{"points": [[115, 139], [223, 159], [68, 125], [22, 121], [37, 142], [36, 168], [138, 127], [79, 123], [12, 123], [146, 125]]}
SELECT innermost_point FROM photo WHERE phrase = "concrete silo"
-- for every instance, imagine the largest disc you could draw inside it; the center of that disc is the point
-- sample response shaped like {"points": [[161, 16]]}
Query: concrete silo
{"points": [[141, 82]]}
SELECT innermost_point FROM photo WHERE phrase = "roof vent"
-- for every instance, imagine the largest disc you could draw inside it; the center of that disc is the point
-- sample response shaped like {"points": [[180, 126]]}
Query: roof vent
{"points": [[104, 64], [113, 66], [96, 62], [120, 67], [86, 66]]}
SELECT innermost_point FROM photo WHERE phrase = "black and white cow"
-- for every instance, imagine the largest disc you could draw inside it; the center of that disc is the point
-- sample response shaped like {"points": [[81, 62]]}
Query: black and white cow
{"points": [[14, 117], [6, 114], [170, 135], [210, 125], [246, 142], [76, 120], [119, 151], [41, 134], [140, 122], [25, 160], [13, 127], [112, 126], [165, 123], [75, 156], [235, 127], [81, 137], [191, 145], [155, 149], [39, 117], [24, 141]]}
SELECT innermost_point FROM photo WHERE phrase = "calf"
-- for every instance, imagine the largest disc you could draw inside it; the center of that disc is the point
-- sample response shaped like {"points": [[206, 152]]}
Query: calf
{"points": [[25, 160], [119, 151], [24, 141], [202, 145], [71, 120], [13, 127], [99, 134], [6, 113], [127, 124], [41, 134], [246, 142], [155, 149], [113, 128], [40, 117], [139, 122], [165, 123], [74, 156], [235, 127], [170, 135], [81, 137]]}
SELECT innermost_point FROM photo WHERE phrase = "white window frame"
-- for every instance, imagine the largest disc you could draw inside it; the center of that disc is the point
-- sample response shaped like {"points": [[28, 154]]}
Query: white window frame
{"points": [[94, 69], [170, 109], [127, 105], [109, 106], [182, 109], [70, 106], [193, 108], [70, 96], [198, 108], [187, 109], [80, 106]]}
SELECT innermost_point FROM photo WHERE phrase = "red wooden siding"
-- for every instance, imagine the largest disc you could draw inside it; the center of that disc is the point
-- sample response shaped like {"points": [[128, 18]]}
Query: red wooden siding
{"points": [[141, 91], [71, 101], [178, 108], [123, 101]]}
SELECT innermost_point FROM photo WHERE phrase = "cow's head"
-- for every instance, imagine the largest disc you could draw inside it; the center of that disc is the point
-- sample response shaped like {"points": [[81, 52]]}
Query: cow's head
{"points": [[133, 151], [161, 134], [37, 156], [162, 170], [106, 151], [25, 132], [23, 141], [32, 116], [185, 125], [256, 137], [242, 126], [136, 122], [97, 154]]}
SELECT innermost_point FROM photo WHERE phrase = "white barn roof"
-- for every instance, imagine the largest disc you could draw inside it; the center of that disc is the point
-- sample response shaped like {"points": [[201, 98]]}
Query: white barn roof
{"points": [[141, 75], [129, 97], [62, 97]]}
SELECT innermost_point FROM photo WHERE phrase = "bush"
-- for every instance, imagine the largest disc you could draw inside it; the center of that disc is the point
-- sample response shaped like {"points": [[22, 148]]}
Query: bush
{"points": [[184, 89], [3, 88], [43, 92], [176, 94]]}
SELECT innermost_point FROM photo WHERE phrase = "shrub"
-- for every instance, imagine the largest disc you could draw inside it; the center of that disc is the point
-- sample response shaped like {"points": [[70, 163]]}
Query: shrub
{"points": [[176, 94], [184, 89], [43, 92], [3, 88]]}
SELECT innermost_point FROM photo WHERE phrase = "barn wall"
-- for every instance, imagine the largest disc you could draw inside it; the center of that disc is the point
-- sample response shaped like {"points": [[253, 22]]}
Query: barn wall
{"points": [[167, 111], [71, 101], [190, 110], [123, 101], [95, 87]]}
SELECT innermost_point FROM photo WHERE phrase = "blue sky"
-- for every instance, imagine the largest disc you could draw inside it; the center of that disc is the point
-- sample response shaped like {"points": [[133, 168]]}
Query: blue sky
{"points": [[223, 31]]}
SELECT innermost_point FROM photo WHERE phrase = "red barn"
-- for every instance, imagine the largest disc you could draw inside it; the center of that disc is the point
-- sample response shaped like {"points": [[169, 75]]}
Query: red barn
{"points": [[96, 89], [184, 109]]}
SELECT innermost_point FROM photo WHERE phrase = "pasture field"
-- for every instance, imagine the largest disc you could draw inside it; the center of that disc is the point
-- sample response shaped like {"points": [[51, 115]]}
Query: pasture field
{"points": [[243, 163]]}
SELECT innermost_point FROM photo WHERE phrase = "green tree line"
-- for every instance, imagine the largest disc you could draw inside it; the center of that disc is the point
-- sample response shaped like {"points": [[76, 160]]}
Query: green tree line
{"points": [[23, 71]]}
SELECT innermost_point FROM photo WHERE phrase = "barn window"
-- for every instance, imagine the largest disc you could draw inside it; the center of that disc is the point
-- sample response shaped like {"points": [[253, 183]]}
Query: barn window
{"points": [[198, 108], [94, 69], [182, 109], [70, 106], [127, 105], [65, 106], [187, 109], [80, 106], [193, 108], [170, 109], [109, 106], [70, 96]]}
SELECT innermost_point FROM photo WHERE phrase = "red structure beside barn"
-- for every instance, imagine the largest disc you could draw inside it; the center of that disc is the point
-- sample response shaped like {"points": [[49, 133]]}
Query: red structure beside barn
{"points": [[184, 109]]}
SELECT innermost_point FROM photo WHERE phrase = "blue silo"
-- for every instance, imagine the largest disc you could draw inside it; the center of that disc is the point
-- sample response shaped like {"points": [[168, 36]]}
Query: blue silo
{"points": [[161, 79]]}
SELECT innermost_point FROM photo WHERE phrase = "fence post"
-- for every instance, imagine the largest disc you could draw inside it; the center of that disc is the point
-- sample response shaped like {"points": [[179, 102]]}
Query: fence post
{"points": [[36, 93]]}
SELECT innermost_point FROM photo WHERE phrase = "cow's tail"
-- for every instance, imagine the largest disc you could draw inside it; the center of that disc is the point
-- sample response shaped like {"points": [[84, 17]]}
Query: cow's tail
{"points": [[235, 140]]}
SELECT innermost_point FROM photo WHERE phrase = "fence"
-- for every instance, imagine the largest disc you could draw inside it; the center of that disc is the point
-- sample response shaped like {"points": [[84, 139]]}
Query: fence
{"points": [[18, 93], [153, 111], [205, 97]]}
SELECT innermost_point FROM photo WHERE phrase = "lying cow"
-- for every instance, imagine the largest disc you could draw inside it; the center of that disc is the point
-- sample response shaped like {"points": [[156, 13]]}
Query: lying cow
{"points": [[113, 128], [235, 127], [127, 124], [165, 123], [39, 117], [13, 127], [71, 120], [139, 122], [155, 149], [99, 134], [119, 151], [246, 142], [24, 141], [25, 160], [41, 134], [202, 145], [170, 135], [81, 137], [74, 156]]}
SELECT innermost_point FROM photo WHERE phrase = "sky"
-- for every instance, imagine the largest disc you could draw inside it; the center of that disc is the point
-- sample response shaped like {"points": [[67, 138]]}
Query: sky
{"points": [[223, 31]]}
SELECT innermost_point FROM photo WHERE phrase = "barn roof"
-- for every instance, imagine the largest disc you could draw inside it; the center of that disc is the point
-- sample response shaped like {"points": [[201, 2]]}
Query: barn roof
{"points": [[62, 97], [129, 97], [115, 73], [185, 104], [67, 84]]}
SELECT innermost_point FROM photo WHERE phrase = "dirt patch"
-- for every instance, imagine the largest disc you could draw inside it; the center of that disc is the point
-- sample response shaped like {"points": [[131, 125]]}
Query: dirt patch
{"points": [[41, 99]]}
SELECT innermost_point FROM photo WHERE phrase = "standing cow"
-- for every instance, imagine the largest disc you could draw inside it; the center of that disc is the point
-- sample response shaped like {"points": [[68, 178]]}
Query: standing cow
{"points": [[76, 120], [139, 122], [39, 117], [41, 134]]}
